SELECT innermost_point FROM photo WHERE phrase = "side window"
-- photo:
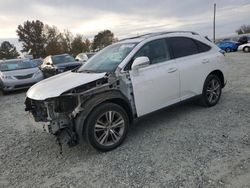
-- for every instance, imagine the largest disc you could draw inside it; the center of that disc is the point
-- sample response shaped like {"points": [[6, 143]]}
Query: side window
{"points": [[202, 47], [183, 46], [157, 51]]}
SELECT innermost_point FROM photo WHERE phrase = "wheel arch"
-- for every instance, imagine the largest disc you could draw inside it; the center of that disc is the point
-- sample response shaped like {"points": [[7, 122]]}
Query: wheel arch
{"points": [[115, 97], [220, 75], [245, 48]]}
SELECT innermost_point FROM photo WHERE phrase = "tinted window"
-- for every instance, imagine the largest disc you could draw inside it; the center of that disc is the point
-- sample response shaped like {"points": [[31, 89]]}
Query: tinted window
{"points": [[202, 47], [62, 59], [157, 51], [183, 46]]}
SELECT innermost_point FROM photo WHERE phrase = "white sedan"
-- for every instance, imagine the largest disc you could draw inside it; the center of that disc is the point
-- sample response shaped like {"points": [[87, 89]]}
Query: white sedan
{"points": [[244, 47]]}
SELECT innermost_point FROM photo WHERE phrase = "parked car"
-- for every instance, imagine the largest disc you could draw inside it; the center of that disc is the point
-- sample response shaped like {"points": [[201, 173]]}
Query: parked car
{"points": [[18, 74], [228, 46], [83, 57], [244, 47], [244, 40], [38, 62], [55, 64], [126, 80]]}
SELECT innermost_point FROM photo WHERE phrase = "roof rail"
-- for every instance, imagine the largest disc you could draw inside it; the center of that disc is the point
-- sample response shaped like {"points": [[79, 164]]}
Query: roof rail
{"points": [[147, 35]]}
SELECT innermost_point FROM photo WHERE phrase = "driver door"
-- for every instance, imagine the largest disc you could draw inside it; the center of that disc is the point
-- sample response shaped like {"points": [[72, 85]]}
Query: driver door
{"points": [[156, 85]]}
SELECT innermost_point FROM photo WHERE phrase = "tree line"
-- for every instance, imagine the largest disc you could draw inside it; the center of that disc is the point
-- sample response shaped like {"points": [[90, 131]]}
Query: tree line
{"points": [[41, 40]]}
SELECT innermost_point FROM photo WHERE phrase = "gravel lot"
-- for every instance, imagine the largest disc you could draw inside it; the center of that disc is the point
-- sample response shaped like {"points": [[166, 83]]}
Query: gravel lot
{"points": [[182, 146]]}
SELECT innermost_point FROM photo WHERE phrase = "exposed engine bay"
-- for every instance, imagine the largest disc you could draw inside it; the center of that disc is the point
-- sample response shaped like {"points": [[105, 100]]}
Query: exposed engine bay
{"points": [[61, 114]]}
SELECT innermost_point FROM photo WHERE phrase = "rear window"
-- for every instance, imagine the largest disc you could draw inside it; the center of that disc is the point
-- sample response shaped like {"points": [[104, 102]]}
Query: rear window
{"points": [[183, 46], [202, 47]]}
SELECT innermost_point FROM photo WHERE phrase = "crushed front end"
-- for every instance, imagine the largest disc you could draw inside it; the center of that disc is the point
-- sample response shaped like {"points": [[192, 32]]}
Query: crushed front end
{"points": [[57, 114]]}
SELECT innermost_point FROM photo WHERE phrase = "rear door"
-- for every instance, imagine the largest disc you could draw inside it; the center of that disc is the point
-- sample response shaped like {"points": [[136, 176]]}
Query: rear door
{"points": [[194, 62], [157, 85]]}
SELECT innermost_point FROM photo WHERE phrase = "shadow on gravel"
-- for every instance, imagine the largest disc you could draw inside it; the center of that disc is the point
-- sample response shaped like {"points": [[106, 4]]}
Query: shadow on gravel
{"points": [[13, 92], [165, 115]]}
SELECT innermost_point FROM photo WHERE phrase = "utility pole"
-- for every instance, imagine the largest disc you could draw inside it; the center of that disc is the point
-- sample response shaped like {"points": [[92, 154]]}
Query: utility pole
{"points": [[214, 22]]}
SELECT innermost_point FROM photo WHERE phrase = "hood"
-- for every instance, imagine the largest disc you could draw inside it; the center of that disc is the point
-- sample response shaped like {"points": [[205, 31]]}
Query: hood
{"points": [[56, 85], [21, 72], [63, 65]]}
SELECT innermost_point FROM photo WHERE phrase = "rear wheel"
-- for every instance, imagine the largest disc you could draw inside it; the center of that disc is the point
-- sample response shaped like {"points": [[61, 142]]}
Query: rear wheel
{"points": [[246, 49], [211, 91], [106, 127]]}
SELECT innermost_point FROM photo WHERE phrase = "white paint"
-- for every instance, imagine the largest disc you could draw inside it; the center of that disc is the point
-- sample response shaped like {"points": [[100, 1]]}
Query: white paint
{"points": [[156, 86], [56, 85]]}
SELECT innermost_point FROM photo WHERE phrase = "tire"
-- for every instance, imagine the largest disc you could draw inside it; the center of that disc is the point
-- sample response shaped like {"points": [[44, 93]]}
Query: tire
{"points": [[246, 49], [100, 131], [227, 50], [211, 91]]}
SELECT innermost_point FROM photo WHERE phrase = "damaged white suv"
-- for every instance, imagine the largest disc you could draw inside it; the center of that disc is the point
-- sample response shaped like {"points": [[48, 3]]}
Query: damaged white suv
{"points": [[133, 77]]}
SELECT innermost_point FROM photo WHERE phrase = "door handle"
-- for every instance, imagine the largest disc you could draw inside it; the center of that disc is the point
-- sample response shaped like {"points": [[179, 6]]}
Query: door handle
{"points": [[204, 61], [172, 69]]}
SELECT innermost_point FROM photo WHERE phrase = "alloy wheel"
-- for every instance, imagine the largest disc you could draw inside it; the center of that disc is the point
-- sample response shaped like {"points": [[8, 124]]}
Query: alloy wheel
{"points": [[213, 91], [109, 128]]}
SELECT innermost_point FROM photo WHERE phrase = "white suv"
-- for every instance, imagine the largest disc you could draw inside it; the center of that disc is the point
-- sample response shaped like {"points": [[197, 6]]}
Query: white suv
{"points": [[126, 80]]}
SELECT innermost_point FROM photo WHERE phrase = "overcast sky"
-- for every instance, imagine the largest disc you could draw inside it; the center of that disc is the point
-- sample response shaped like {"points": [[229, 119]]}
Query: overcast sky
{"points": [[125, 17]]}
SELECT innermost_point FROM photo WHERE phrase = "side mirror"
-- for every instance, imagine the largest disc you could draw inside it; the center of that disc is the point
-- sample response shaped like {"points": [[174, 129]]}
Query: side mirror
{"points": [[140, 62]]}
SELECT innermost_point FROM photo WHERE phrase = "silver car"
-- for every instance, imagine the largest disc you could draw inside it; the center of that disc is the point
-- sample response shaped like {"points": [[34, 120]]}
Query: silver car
{"points": [[18, 74]]}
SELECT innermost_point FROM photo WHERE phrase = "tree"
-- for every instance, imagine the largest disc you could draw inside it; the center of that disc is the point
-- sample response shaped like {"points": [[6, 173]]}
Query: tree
{"points": [[87, 45], [57, 42], [32, 37], [243, 29], [78, 45], [52, 45], [8, 51], [102, 39], [66, 39]]}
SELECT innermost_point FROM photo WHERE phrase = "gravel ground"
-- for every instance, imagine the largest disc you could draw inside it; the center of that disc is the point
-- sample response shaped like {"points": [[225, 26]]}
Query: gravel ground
{"points": [[182, 146]]}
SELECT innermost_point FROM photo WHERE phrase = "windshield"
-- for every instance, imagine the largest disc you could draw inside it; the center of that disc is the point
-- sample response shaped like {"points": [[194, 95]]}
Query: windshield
{"points": [[37, 62], [62, 59], [108, 59], [16, 65]]}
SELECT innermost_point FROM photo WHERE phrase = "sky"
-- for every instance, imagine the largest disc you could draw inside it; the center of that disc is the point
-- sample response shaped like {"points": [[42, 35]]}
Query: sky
{"points": [[126, 17]]}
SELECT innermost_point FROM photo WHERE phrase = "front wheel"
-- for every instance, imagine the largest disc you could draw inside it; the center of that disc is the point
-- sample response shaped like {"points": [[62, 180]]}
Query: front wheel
{"points": [[211, 91], [106, 127]]}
